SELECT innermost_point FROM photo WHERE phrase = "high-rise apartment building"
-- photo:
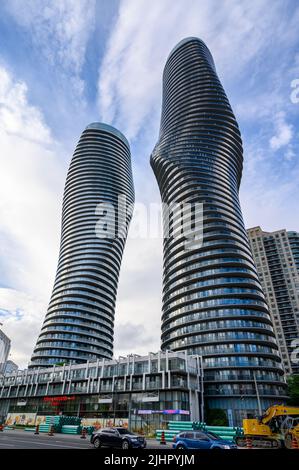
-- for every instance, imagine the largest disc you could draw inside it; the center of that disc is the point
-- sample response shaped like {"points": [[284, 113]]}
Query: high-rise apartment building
{"points": [[294, 243], [213, 303], [4, 350], [10, 367], [79, 322], [276, 255]]}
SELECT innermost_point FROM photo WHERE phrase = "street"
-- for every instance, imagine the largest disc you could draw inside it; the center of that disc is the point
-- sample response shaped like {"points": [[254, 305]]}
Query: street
{"points": [[19, 439]]}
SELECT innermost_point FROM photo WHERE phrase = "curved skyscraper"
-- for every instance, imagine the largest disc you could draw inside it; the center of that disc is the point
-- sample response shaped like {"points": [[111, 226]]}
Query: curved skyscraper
{"points": [[80, 317], [213, 304]]}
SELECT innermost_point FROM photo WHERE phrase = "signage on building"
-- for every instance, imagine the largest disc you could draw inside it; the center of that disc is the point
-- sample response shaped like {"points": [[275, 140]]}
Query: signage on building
{"points": [[175, 412], [22, 403], [150, 398], [105, 400], [56, 401], [164, 412]]}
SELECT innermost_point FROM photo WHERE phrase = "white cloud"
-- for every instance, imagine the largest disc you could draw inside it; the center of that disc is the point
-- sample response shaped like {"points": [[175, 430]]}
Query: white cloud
{"points": [[139, 298], [22, 322], [31, 179], [17, 117], [60, 29], [268, 207], [131, 71], [284, 132], [133, 337]]}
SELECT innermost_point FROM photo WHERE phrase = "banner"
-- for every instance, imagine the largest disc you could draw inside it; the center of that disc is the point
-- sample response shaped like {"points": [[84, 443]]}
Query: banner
{"points": [[103, 423], [26, 419]]}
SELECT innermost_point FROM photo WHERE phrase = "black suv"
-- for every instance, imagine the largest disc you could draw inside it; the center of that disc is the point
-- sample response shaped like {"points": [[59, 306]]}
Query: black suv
{"points": [[116, 437]]}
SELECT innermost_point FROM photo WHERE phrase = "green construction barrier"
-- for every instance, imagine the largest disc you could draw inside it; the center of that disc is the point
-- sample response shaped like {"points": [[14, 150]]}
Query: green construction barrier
{"points": [[58, 422], [175, 427]]}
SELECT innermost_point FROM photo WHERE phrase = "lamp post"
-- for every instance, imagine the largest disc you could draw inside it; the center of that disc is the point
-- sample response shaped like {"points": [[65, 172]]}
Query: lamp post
{"points": [[257, 394], [113, 399], [129, 411], [202, 403]]}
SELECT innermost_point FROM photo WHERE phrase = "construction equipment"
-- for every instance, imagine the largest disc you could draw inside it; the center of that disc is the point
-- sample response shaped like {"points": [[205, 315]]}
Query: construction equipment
{"points": [[291, 432], [277, 427]]}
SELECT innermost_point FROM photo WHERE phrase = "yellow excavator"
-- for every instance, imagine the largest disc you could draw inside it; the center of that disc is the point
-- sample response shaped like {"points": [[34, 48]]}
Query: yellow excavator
{"points": [[277, 427]]}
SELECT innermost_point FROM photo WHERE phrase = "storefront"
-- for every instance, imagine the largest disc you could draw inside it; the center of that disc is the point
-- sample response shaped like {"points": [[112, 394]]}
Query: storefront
{"points": [[151, 391]]}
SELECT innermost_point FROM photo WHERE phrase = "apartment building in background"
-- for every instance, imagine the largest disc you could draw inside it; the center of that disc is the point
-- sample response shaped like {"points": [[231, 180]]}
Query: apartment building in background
{"points": [[4, 350], [276, 255]]}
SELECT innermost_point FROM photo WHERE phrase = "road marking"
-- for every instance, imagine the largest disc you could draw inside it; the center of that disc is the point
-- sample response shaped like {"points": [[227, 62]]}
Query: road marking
{"points": [[48, 444], [10, 445]]}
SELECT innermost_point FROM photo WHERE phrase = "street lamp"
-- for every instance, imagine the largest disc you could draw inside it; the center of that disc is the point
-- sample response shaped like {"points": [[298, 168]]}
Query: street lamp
{"points": [[115, 382], [257, 394], [202, 403]]}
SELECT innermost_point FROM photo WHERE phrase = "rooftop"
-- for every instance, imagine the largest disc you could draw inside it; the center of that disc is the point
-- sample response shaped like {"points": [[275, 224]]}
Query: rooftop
{"points": [[107, 128]]}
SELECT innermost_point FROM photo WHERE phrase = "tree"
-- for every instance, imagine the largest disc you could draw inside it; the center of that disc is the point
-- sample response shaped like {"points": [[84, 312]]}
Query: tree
{"points": [[216, 417], [293, 389]]}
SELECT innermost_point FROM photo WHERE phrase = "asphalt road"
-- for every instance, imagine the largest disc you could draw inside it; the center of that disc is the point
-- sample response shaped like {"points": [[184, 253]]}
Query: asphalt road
{"points": [[17, 439]]}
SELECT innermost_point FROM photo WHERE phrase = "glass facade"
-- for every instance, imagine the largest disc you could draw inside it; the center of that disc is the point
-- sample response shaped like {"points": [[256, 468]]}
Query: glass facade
{"points": [[4, 350], [145, 391], [294, 244], [79, 322], [276, 255], [213, 303]]}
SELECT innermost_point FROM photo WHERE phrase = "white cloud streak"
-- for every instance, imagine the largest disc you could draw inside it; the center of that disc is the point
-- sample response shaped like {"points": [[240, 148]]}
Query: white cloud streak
{"points": [[130, 74], [17, 117], [284, 132], [60, 30]]}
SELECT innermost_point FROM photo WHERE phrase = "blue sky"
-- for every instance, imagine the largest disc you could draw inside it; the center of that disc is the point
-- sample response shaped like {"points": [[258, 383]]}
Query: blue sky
{"points": [[66, 63]]}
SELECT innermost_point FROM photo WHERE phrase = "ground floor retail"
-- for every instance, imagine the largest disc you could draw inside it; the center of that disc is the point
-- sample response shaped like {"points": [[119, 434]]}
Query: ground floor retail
{"points": [[142, 392], [139, 411]]}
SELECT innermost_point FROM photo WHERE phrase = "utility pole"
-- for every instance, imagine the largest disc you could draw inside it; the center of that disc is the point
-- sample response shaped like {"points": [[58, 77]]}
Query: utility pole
{"points": [[115, 382], [257, 395], [129, 411], [202, 404]]}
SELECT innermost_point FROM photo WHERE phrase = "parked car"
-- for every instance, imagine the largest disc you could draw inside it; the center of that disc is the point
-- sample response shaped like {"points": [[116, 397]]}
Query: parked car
{"points": [[117, 438], [201, 440]]}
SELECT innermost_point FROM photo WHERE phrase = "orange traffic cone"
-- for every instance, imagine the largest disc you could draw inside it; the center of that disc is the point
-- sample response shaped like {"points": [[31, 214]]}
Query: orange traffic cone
{"points": [[248, 442], [37, 429], [163, 440], [294, 443], [83, 434], [51, 431]]}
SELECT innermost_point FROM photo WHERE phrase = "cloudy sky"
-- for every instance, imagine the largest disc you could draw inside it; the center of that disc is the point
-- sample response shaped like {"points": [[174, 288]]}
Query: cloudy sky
{"points": [[66, 63]]}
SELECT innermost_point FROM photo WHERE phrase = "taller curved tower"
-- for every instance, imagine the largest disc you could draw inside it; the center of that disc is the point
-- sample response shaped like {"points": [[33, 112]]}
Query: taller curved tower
{"points": [[80, 317], [213, 304]]}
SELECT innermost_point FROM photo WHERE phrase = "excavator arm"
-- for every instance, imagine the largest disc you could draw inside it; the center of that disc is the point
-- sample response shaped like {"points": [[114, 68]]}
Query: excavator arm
{"points": [[278, 410]]}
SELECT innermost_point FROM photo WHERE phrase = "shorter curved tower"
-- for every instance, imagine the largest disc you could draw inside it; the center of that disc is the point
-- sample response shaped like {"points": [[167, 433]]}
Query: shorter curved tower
{"points": [[80, 318]]}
